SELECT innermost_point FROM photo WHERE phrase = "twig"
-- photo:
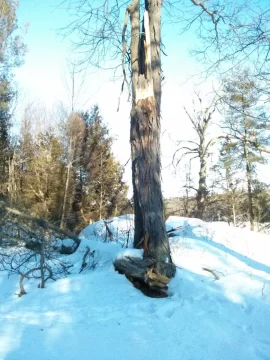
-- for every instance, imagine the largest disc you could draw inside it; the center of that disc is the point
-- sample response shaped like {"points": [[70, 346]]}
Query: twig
{"points": [[41, 222], [212, 272], [124, 51]]}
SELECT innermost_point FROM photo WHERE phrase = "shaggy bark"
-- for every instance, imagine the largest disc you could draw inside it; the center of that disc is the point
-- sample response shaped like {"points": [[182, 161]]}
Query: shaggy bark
{"points": [[144, 275], [150, 229], [154, 9], [134, 11]]}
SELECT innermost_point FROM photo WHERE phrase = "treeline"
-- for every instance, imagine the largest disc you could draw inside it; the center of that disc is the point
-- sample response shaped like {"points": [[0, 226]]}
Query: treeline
{"points": [[229, 187], [65, 172], [225, 207]]}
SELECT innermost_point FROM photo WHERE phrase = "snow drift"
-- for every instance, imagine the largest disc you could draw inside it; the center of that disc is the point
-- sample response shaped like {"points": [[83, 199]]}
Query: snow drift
{"points": [[99, 315]]}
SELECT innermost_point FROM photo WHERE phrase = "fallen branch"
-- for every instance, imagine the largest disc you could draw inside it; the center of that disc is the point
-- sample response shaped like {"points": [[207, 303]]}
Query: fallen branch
{"points": [[108, 230], [22, 291], [41, 222], [212, 272], [170, 233], [86, 259]]}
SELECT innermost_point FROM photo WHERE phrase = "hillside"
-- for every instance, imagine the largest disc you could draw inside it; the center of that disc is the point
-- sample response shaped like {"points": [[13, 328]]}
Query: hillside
{"points": [[218, 304]]}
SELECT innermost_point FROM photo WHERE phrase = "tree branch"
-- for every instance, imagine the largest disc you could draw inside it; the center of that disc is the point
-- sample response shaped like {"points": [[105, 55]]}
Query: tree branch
{"points": [[41, 222]]}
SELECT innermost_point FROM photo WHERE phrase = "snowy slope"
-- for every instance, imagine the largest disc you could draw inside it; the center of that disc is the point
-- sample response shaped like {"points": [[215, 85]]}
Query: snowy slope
{"points": [[99, 315]]}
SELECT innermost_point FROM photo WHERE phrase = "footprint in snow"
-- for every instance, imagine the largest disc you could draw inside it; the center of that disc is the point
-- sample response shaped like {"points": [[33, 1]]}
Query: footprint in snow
{"points": [[248, 310], [265, 342], [152, 308], [260, 355], [169, 313], [248, 329]]}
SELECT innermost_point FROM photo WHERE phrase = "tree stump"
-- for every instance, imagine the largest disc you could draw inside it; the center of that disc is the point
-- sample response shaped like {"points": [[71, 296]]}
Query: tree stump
{"points": [[147, 275]]}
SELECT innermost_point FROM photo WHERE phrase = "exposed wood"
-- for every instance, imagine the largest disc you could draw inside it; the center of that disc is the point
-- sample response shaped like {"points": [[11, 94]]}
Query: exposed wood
{"points": [[134, 267], [146, 273], [23, 276], [145, 141], [153, 8], [150, 232], [150, 292], [145, 243], [134, 12]]}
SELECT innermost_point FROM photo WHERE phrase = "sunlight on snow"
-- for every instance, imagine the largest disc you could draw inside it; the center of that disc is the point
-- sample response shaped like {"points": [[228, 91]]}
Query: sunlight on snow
{"points": [[67, 284], [104, 317], [9, 340]]}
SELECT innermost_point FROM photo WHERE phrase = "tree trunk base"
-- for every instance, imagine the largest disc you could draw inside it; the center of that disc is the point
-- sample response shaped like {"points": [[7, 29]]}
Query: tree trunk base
{"points": [[147, 275]]}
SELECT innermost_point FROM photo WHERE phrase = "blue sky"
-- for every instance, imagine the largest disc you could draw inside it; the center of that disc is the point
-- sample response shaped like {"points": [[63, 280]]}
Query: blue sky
{"points": [[42, 78]]}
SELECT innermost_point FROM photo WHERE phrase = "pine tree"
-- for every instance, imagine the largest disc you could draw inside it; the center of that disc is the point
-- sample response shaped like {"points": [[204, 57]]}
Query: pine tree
{"points": [[245, 124], [12, 50], [101, 174]]}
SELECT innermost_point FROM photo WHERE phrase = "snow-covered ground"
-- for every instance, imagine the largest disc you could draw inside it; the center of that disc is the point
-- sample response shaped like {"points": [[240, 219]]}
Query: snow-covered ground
{"points": [[99, 315]]}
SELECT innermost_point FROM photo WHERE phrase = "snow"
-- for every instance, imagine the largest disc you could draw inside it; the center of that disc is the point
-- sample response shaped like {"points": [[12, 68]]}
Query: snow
{"points": [[99, 315]]}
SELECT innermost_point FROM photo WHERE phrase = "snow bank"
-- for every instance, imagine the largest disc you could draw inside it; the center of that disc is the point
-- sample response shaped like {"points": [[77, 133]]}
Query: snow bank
{"points": [[122, 228], [99, 315]]}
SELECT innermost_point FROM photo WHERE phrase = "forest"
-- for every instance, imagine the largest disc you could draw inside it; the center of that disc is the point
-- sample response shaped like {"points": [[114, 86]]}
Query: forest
{"points": [[65, 193], [58, 166]]}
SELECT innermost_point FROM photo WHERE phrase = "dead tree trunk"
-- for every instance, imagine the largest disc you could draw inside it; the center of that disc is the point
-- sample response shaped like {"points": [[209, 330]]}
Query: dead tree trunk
{"points": [[145, 144], [202, 189], [156, 269], [69, 167], [134, 13], [248, 175], [201, 121]]}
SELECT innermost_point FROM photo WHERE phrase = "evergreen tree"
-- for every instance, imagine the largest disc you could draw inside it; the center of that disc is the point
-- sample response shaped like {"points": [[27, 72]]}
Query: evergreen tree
{"points": [[42, 177], [101, 175], [245, 124], [12, 50], [6, 96]]}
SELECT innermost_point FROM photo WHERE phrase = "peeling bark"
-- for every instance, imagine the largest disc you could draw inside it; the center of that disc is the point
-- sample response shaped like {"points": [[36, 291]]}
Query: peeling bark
{"points": [[146, 163], [134, 12], [154, 9]]}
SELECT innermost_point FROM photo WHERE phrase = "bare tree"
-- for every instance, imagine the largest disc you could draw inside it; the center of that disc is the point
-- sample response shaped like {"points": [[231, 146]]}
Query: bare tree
{"points": [[74, 84], [230, 33], [201, 122]]}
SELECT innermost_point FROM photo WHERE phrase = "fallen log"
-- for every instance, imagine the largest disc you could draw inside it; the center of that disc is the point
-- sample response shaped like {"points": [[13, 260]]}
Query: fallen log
{"points": [[41, 222], [170, 233], [145, 275]]}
